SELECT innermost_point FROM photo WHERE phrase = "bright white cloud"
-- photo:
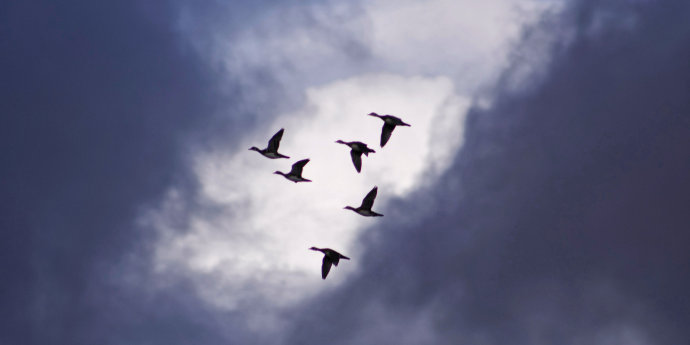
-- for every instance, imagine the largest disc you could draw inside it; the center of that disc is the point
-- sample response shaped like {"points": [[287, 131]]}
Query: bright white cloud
{"points": [[466, 40], [419, 60], [302, 46], [268, 222]]}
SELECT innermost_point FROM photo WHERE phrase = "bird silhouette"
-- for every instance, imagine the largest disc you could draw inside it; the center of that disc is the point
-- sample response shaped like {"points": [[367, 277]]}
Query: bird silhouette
{"points": [[367, 203], [357, 148], [330, 257], [295, 175], [389, 123], [272, 150]]}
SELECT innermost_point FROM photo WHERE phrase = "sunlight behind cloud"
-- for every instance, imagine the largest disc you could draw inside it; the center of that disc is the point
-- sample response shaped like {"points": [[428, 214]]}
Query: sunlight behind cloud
{"points": [[267, 222], [465, 40], [244, 242]]}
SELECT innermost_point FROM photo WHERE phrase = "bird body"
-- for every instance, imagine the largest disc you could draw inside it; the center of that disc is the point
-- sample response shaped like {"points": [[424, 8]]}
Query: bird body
{"points": [[367, 204], [365, 213], [295, 178], [389, 123], [357, 149], [272, 150], [295, 175], [357, 146], [272, 155], [330, 257]]}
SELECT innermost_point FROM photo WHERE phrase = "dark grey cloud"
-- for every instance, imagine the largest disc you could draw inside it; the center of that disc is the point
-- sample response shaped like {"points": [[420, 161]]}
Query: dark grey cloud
{"points": [[564, 220], [99, 102]]}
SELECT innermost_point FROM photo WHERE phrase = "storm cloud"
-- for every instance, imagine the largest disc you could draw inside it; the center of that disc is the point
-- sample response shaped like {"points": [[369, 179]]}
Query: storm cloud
{"points": [[562, 220], [99, 102]]}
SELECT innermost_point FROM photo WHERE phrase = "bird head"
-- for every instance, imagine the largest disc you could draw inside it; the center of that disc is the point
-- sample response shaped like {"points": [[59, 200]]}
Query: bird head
{"points": [[279, 173], [254, 148], [348, 208], [374, 114], [341, 142], [315, 249]]}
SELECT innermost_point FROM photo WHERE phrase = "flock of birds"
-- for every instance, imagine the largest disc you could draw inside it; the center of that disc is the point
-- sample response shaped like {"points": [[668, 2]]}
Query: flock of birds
{"points": [[331, 257]]}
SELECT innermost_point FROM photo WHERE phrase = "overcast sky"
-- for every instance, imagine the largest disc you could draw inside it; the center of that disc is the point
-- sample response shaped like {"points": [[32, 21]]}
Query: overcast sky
{"points": [[541, 195]]}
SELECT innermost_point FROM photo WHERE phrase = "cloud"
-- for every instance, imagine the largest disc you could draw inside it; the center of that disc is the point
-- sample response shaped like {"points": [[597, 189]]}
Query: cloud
{"points": [[241, 242], [96, 99], [124, 153], [266, 224], [560, 219], [243, 245], [465, 41]]}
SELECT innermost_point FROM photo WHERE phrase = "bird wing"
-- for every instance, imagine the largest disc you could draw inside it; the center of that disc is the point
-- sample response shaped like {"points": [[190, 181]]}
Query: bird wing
{"points": [[274, 143], [357, 159], [325, 267], [297, 167], [368, 201], [396, 119], [386, 133], [335, 258]]}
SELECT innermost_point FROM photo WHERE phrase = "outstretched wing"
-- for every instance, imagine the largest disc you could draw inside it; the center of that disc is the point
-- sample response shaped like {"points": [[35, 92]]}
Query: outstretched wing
{"points": [[386, 133], [274, 143], [297, 167], [368, 201], [325, 267], [335, 258], [357, 159]]}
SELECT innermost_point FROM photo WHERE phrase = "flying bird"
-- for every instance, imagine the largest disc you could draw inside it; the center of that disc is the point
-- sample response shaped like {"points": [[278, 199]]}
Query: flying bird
{"points": [[272, 150], [389, 123], [330, 257], [295, 175], [367, 203], [356, 153]]}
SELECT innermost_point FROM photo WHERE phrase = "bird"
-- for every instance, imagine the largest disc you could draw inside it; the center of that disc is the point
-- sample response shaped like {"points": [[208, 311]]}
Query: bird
{"points": [[295, 175], [367, 203], [389, 123], [356, 153], [330, 257], [272, 150]]}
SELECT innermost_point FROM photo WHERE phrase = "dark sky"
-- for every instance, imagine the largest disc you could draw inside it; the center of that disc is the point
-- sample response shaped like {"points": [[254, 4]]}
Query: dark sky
{"points": [[566, 217], [98, 101], [563, 220]]}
